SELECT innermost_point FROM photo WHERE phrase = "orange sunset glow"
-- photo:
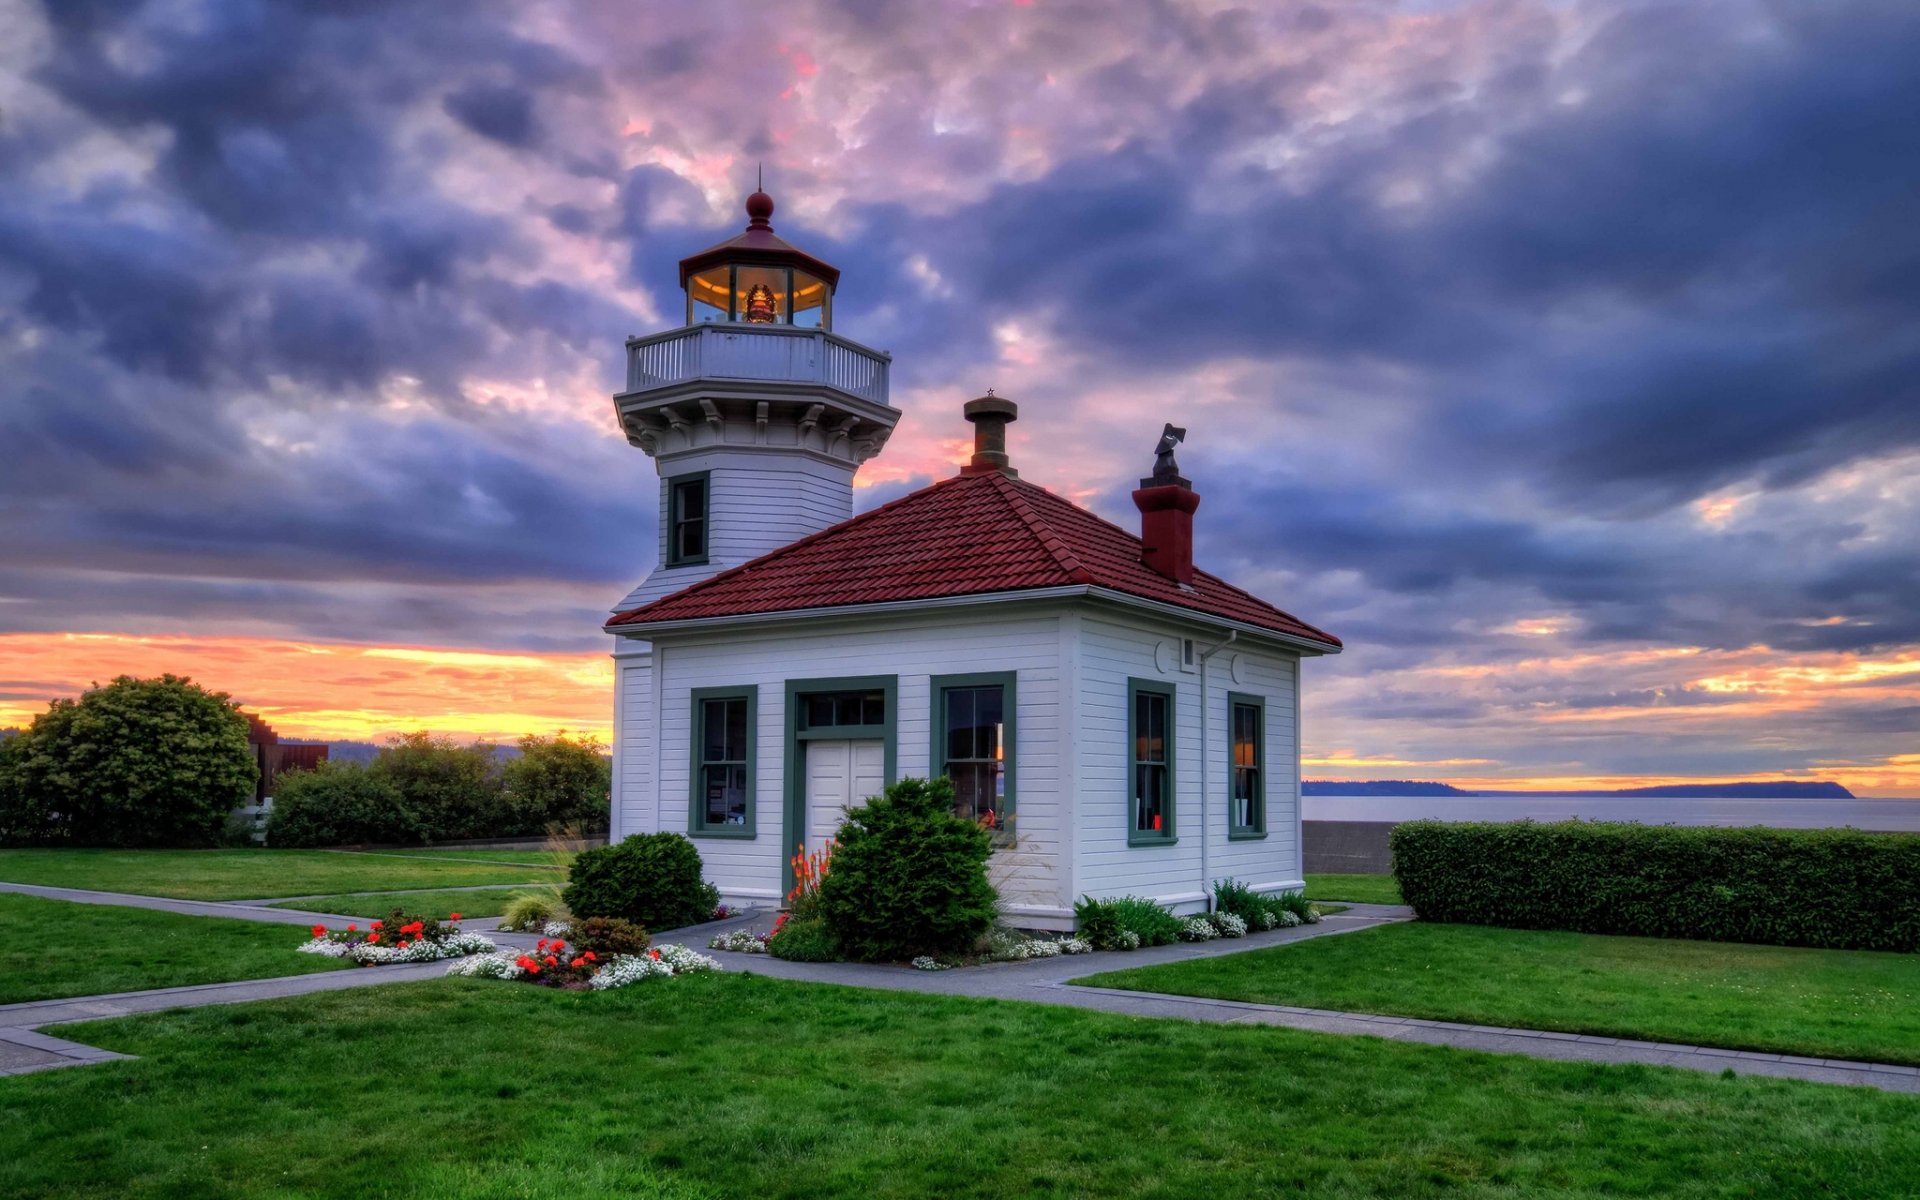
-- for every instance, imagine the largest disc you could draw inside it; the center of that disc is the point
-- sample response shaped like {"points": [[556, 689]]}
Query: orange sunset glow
{"points": [[328, 691]]}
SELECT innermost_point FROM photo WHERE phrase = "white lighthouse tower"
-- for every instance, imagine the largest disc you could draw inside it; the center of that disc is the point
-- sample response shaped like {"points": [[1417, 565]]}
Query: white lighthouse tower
{"points": [[755, 412], [756, 415]]}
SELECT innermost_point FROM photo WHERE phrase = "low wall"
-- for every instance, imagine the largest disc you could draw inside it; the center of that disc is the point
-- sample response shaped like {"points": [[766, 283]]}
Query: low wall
{"points": [[1347, 847]]}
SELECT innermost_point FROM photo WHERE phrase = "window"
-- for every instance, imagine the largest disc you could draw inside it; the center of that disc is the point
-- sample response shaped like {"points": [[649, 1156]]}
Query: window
{"points": [[721, 798], [973, 745], [687, 519], [854, 711], [1247, 766], [1150, 726]]}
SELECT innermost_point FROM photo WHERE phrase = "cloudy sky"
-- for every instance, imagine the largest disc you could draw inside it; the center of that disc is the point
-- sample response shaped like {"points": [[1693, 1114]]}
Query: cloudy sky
{"points": [[1562, 357]]}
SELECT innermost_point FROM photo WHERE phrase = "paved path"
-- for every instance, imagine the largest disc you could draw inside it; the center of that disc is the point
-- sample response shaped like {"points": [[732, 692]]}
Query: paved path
{"points": [[1042, 981]]}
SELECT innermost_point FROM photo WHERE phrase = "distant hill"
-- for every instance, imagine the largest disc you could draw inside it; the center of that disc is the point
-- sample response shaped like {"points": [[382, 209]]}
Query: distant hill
{"points": [[1782, 789], [1379, 787], [363, 752]]}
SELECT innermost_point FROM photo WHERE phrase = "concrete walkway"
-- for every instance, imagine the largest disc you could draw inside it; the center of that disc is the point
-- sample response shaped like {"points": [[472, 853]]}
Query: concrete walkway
{"points": [[1041, 981]]}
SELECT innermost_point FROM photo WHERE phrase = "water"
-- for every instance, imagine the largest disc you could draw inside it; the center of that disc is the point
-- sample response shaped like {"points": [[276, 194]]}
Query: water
{"points": [[1888, 815]]}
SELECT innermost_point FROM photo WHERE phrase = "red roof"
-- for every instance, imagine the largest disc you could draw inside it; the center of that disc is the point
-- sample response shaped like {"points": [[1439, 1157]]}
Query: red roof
{"points": [[969, 535]]}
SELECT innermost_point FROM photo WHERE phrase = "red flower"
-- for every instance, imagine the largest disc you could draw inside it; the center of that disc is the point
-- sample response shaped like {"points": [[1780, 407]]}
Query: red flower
{"points": [[552, 961], [353, 929], [453, 916], [319, 931], [577, 963], [379, 925], [654, 955], [373, 937], [589, 956], [541, 945], [560, 944], [402, 945]]}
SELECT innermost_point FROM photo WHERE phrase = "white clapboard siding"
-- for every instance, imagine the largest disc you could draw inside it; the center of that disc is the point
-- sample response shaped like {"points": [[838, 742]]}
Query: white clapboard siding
{"points": [[635, 803], [1034, 875], [1111, 650], [756, 503]]}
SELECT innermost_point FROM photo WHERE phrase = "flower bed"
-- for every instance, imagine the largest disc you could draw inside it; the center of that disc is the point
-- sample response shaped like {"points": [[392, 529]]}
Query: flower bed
{"points": [[555, 964], [402, 938]]}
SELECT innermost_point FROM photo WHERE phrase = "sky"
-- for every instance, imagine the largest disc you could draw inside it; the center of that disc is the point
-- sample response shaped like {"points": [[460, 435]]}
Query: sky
{"points": [[1563, 358]]}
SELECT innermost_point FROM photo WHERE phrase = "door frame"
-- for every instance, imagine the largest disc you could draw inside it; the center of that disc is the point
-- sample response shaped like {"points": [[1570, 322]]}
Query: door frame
{"points": [[796, 738]]}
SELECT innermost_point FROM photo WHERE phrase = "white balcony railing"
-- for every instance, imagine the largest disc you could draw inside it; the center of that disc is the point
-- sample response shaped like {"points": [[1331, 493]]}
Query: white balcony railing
{"points": [[762, 352]]}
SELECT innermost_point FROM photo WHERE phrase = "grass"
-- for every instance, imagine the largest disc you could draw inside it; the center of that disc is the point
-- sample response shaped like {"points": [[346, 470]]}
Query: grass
{"points": [[1355, 889], [1824, 1003], [249, 874], [51, 949], [532, 856], [488, 903], [740, 1085]]}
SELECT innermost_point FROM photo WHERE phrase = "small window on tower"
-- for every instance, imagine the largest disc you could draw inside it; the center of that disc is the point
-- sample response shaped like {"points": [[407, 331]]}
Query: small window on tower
{"points": [[687, 520]]}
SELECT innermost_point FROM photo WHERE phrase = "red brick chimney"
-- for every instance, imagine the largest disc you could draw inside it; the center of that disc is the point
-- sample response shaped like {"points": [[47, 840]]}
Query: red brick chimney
{"points": [[1166, 502], [990, 415]]}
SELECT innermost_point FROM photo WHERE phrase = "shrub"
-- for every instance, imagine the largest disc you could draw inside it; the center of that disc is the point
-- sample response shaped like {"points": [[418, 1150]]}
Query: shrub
{"points": [[651, 878], [139, 762], [556, 782], [909, 877], [1125, 923], [451, 791], [338, 804], [807, 939], [529, 912], [1262, 910], [608, 936], [1831, 888]]}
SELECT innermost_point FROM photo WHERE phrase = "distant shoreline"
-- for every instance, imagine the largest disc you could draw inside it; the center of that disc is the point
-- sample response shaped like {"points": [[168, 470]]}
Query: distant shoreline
{"points": [[1783, 789]]}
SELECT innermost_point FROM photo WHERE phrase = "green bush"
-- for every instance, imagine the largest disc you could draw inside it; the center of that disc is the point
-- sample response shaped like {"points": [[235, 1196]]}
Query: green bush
{"points": [[338, 804], [807, 939], [651, 878], [557, 783], [139, 762], [1154, 925], [451, 791], [1830, 888], [608, 936], [1263, 910], [909, 877]]}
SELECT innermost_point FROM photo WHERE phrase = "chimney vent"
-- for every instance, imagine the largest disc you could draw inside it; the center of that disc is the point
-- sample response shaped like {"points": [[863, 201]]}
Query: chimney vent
{"points": [[1166, 501], [990, 415]]}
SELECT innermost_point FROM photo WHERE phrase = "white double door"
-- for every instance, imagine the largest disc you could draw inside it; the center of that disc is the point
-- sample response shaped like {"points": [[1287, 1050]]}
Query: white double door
{"points": [[840, 775]]}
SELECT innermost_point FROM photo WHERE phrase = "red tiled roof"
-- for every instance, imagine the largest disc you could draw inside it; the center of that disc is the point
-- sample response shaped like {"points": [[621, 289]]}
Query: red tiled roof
{"points": [[968, 535]]}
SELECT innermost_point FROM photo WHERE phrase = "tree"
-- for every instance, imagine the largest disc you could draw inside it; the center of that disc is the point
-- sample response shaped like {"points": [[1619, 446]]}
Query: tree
{"points": [[452, 791], [139, 762], [558, 781]]}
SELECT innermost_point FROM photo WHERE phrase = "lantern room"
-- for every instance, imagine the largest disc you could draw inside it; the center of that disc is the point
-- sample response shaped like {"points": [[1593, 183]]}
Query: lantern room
{"points": [[758, 278]]}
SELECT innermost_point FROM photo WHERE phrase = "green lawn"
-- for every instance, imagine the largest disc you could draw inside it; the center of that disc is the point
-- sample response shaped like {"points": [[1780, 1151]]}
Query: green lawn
{"points": [[249, 874], [1355, 889], [558, 859], [1824, 1003], [740, 1085], [488, 903], [51, 949]]}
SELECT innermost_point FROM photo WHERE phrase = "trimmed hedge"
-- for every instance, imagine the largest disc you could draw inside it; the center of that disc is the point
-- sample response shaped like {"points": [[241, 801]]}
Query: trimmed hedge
{"points": [[1835, 889], [651, 879]]}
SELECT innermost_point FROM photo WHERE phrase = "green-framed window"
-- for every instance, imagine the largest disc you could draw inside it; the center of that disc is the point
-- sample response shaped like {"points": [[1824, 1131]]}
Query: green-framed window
{"points": [[1150, 740], [720, 795], [974, 743], [1246, 766], [689, 520]]}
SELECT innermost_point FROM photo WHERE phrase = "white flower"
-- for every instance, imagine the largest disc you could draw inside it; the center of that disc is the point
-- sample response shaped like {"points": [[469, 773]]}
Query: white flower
{"points": [[743, 941], [1228, 924], [928, 963], [1197, 929], [558, 929], [686, 961], [498, 965], [1129, 940], [1074, 945]]}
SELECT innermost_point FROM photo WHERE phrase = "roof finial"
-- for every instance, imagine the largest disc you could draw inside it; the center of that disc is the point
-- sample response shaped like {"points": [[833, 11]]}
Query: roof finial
{"points": [[759, 177]]}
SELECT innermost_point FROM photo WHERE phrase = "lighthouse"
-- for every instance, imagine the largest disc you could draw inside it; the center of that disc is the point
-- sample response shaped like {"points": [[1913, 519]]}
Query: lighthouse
{"points": [[755, 412]]}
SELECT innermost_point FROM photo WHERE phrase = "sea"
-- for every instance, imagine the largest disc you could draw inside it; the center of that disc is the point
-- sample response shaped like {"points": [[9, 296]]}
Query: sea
{"points": [[1892, 816]]}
